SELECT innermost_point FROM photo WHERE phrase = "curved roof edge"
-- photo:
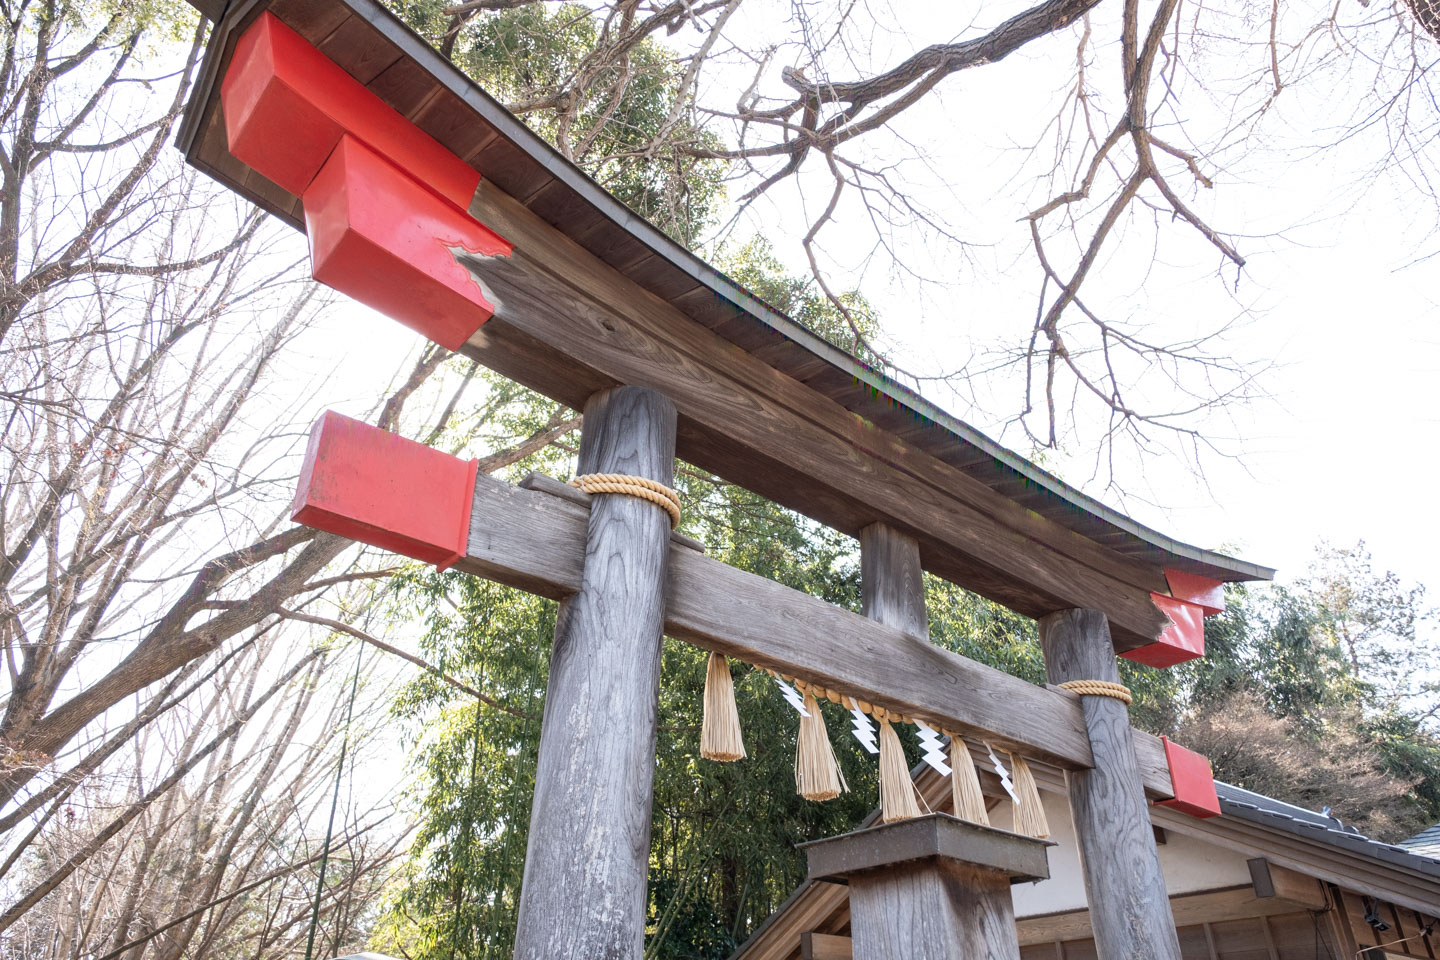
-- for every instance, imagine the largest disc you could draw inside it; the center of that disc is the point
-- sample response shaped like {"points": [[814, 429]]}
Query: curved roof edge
{"points": [[660, 245]]}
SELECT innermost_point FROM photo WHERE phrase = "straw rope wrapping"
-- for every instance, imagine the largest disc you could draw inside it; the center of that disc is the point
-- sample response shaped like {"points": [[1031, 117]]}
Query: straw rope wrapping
{"points": [[632, 486], [1099, 688]]}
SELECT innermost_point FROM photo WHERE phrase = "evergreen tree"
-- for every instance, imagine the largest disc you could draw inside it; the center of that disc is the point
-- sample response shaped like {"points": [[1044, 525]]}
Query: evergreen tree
{"points": [[1310, 694]]}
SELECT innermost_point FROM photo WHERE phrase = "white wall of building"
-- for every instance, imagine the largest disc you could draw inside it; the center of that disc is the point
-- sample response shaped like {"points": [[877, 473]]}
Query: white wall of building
{"points": [[1189, 865]]}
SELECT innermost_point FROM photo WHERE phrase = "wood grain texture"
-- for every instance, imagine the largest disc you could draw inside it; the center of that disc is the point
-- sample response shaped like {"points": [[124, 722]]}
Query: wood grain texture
{"points": [[825, 946], [557, 488], [583, 893], [1291, 885], [934, 910], [892, 582], [1212, 906], [536, 542], [817, 905], [771, 433], [1129, 908]]}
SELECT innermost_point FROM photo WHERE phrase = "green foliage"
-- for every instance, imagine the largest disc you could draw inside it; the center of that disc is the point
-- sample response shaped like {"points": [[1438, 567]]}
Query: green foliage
{"points": [[1370, 619], [723, 834], [722, 841], [528, 58], [1267, 643], [755, 268], [158, 23], [1310, 694], [1276, 705], [999, 637], [475, 764]]}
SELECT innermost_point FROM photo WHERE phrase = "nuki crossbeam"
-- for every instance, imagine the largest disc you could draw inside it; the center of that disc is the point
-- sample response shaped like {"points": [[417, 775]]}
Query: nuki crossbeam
{"points": [[332, 110], [366, 483]]}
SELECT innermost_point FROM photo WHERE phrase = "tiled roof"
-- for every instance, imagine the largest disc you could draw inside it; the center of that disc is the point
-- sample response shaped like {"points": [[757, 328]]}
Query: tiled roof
{"points": [[1268, 812], [1426, 843]]}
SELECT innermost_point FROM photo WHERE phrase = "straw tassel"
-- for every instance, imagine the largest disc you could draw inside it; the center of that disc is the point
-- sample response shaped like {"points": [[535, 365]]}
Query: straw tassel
{"points": [[967, 802], [897, 791], [817, 773], [1029, 813], [720, 737]]}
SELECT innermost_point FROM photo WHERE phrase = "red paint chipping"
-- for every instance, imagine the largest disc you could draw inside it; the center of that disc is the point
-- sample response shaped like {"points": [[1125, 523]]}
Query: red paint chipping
{"points": [[1182, 639], [1192, 782], [1207, 594], [370, 485], [378, 236], [286, 106]]}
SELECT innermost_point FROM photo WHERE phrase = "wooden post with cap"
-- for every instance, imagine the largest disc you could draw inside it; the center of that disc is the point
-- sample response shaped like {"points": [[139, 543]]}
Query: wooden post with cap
{"points": [[589, 843], [931, 887]]}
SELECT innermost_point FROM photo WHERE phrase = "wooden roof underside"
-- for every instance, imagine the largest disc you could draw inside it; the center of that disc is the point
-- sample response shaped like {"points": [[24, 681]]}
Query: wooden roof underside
{"points": [[384, 55], [825, 907]]}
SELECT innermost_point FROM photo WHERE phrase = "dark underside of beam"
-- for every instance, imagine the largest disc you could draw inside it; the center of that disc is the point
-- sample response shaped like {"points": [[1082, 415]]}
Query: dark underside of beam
{"points": [[566, 326]]}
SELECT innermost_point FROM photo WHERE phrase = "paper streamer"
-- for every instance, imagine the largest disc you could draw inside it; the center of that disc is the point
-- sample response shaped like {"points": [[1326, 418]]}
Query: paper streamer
{"points": [[1002, 773], [792, 696], [862, 729], [934, 749]]}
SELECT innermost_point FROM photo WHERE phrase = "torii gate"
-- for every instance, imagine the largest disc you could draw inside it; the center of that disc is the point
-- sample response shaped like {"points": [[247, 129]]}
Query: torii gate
{"points": [[333, 111]]}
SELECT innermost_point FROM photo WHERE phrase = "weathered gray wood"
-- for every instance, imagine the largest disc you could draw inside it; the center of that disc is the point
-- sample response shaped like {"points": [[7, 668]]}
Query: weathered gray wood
{"points": [[565, 322], [825, 946], [932, 911], [583, 893], [536, 542], [932, 888], [892, 582], [1129, 908], [932, 836]]}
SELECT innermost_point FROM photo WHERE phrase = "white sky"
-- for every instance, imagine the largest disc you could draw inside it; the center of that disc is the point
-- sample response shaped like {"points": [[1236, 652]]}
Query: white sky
{"points": [[1344, 447]]}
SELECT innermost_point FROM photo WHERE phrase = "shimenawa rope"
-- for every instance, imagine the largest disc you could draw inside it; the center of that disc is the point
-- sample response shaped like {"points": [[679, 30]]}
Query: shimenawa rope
{"points": [[632, 486], [817, 772], [897, 802], [966, 800], [1099, 688]]}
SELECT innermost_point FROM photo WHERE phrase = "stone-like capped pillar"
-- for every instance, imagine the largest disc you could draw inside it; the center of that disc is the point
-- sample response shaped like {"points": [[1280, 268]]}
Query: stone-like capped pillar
{"points": [[931, 888]]}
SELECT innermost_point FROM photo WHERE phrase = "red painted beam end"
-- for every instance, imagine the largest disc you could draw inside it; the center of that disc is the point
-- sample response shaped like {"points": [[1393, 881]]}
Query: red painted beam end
{"points": [[378, 236], [379, 488], [1192, 782], [286, 106], [1192, 598], [1207, 594], [1182, 639]]}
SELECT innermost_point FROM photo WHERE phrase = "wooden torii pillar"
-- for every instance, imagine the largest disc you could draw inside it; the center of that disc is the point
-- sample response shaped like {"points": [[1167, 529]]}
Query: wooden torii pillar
{"points": [[930, 888], [584, 888], [1129, 906], [620, 575]]}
